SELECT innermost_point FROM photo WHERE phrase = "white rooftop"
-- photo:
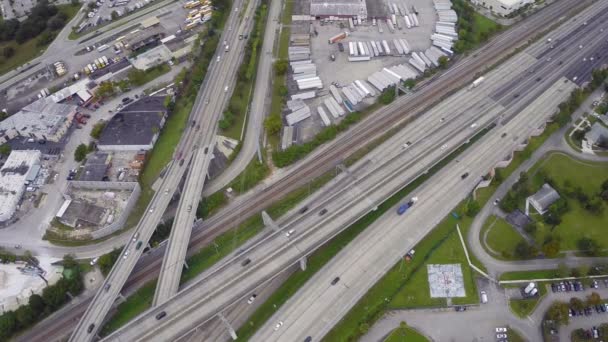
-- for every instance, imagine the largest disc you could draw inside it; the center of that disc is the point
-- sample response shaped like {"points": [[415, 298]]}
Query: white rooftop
{"points": [[12, 180], [43, 116]]}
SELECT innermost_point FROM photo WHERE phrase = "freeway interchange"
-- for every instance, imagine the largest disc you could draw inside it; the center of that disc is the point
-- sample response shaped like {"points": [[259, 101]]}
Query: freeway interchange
{"points": [[433, 135]]}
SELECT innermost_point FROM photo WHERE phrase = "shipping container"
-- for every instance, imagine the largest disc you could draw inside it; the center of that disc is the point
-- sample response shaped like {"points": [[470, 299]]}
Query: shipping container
{"points": [[323, 116], [338, 37]]}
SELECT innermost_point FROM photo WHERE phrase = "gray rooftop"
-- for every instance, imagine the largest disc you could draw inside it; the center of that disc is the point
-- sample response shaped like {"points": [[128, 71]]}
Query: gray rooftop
{"points": [[597, 133], [544, 197], [338, 8], [83, 211], [96, 167], [43, 116]]}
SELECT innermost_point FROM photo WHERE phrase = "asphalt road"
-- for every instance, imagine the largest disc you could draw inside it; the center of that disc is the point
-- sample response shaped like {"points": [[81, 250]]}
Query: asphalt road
{"points": [[346, 144], [192, 142], [319, 304], [216, 94], [275, 256]]}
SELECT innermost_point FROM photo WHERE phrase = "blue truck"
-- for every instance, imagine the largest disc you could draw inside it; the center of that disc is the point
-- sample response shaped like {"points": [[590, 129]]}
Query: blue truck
{"points": [[404, 207]]}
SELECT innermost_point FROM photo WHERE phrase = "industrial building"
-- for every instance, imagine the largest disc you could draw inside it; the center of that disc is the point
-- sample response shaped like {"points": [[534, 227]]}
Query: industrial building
{"points": [[76, 213], [20, 168], [321, 9], [502, 7], [96, 167], [144, 39], [136, 127], [42, 120], [151, 58]]}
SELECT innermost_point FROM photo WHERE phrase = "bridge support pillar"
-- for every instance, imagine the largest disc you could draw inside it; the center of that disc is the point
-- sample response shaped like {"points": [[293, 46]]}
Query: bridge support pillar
{"points": [[269, 222], [228, 326], [303, 262]]}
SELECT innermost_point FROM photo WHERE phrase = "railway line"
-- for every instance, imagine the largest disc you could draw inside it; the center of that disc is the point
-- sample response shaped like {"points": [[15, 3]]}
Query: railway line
{"points": [[327, 157]]}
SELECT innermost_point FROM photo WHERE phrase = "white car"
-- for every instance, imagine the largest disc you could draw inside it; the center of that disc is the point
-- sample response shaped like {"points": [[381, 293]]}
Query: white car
{"points": [[94, 261], [444, 147], [278, 326], [152, 209], [501, 330], [290, 232], [501, 336], [218, 58], [166, 191], [135, 237], [474, 125], [126, 254], [226, 89], [252, 298]]}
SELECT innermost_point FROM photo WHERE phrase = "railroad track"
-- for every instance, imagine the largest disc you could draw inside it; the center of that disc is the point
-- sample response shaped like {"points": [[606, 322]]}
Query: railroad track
{"points": [[372, 127]]}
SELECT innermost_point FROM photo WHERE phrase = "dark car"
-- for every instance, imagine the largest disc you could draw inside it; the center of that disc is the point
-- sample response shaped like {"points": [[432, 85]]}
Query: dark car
{"points": [[303, 210], [90, 328], [139, 243], [464, 175], [341, 47], [245, 262], [335, 281], [181, 162], [322, 212], [308, 339], [107, 287], [460, 308], [161, 315], [553, 287]]}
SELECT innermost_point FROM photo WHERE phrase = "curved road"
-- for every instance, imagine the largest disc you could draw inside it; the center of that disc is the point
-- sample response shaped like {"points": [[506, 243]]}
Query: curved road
{"points": [[555, 143]]}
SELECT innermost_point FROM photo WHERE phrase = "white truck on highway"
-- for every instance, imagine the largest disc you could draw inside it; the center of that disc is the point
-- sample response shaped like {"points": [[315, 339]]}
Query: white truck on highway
{"points": [[477, 82]]}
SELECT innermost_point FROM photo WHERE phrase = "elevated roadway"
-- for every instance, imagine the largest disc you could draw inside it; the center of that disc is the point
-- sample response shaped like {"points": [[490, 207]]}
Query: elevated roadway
{"points": [[258, 264], [382, 176], [217, 95], [327, 156], [213, 96]]}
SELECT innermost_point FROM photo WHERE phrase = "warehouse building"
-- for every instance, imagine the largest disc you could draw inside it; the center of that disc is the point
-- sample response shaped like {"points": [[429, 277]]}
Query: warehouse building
{"points": [[136, 127], [20, 166], [322, 9], [41, 120], [502, 7], [96, 167]]}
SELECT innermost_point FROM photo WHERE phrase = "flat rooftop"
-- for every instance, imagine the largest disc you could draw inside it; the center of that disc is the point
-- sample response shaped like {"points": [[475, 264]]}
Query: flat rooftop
{"points": [[12, 180]]}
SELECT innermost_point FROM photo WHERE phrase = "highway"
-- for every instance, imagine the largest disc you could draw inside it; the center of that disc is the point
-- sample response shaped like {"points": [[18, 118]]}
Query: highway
{"points": [[319, 305], [326, 157], [217, 94], [213, 87], [236, 279]]}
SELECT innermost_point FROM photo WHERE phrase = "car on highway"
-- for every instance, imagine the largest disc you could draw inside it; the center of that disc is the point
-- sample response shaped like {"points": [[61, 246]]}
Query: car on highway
{"points": [[152, 209], [444, 146], [464, 175], [107, 287], [304, 209], [322, 212], [501, 330], [218, 58], [166, 191], [335, 281], [189, 207], [251, 299], [126, 254], [160, 315], [278, 325], [226, 89], [90, 328], [290, 232], [308, 339], [135, 237], [138, 246], [407, 144], [245, 262]]}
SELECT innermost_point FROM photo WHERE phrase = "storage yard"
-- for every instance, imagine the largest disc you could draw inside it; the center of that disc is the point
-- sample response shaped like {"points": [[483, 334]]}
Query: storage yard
{"points": [[340, 63]]}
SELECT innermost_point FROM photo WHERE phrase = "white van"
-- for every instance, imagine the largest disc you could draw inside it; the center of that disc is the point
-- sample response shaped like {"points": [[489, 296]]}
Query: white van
{"points": [[484, 297]]}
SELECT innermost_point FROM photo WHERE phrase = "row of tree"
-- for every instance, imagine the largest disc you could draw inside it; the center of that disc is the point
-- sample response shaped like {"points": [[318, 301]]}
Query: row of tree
{"points": [[40, 306], [558, 312]]}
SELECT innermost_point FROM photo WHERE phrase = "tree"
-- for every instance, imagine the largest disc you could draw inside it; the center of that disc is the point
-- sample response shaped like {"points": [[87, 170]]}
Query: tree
{"points": [[551, 247], [363, 328], [69, 261], [524, 250], [273, 124], [576, 304], [5, 149], [25, 315], [558, 312], [594, 299], [588, 246], [280, 66], [409, 83], [531, 228], [56, 23], [472, 208], [98, 129], [443, 62], [106, 261], [81, 152], [137, 77], [8, 52], [105, 89], [8, 324], [37, 304], [387, 96], [114, 15]]}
